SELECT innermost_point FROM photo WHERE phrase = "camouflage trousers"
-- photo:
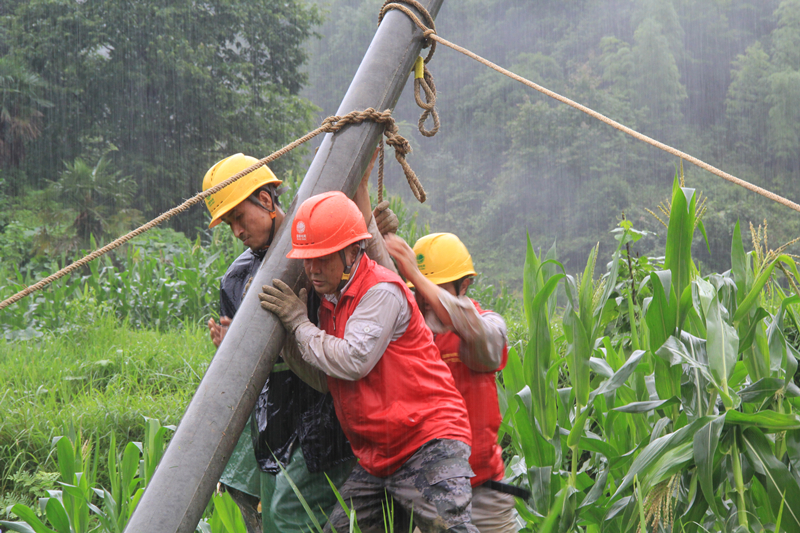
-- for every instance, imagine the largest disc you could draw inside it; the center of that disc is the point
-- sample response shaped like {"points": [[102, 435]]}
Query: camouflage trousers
{"points": [[434, 485]]}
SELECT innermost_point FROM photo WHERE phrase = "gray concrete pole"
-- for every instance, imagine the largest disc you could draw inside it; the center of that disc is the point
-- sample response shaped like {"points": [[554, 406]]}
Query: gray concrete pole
{"points": [[185, 480]]}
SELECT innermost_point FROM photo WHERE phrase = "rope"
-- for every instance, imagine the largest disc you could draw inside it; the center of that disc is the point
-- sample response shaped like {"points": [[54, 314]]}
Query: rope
{"points": [[423, 79], [380, 171], [425, 82], [430, 34], [331, 124]]}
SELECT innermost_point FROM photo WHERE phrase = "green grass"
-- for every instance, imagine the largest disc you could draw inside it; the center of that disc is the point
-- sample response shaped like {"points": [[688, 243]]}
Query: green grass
{"points": [[99, 376]]}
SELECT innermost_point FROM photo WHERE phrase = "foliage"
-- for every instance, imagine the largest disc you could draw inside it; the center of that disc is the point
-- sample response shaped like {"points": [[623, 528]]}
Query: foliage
{"points": [[96, 375], [21, 105], [99, 195], [686, 418], [175, 86], [81, 506], [160, 280]]}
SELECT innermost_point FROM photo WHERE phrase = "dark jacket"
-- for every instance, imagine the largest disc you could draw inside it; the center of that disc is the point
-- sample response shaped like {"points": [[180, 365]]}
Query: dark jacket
{"points": [[288, 412]]}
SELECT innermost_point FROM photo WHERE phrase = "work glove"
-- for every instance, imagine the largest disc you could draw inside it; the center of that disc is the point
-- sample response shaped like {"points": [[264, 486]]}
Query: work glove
{"points": [[385, 218], [281, 300]]}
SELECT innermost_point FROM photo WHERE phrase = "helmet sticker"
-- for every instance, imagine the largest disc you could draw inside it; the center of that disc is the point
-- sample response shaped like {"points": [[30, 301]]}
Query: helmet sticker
{"points": [[301, 231]]}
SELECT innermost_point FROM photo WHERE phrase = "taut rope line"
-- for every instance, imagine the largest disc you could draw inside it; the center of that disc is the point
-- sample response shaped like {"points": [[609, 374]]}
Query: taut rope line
{"points": [[430, 34], [331, 124]]}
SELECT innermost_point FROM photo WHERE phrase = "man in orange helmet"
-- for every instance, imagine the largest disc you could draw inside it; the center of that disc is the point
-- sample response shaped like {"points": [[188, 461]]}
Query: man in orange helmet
{"points": [[472, 342], [294, 426], [394, 396]]}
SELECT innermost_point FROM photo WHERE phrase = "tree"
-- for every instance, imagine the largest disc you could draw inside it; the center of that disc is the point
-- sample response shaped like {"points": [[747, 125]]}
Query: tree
{"points": [[657, 85], [786, 38], [21, 108], [746, 107], [100, 195], [175, 85], [784, 116]]}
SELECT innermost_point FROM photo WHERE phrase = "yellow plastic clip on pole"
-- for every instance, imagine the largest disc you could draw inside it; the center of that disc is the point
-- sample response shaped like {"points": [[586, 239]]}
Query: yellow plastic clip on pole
{"points": [[419, 68]]}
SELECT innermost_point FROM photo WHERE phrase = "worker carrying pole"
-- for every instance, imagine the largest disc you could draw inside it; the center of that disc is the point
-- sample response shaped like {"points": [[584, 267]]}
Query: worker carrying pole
{"points": [[176, 497]]}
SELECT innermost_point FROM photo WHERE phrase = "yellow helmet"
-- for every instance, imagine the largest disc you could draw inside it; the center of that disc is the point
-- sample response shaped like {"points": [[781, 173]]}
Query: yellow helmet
{"points": [[223, 201], [442, 257]]}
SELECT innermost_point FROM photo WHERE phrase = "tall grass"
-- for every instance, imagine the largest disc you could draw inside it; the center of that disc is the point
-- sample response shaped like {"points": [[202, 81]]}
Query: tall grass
{"points": [[100, 376]]}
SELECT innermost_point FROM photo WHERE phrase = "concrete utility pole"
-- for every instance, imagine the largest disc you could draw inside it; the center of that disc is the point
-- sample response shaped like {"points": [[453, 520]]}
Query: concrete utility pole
{"points": [[192, 464]]}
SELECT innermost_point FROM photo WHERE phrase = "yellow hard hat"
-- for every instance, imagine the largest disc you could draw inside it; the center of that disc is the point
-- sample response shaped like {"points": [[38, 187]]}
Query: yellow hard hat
{"points": [[442, 257], [223, 201]]}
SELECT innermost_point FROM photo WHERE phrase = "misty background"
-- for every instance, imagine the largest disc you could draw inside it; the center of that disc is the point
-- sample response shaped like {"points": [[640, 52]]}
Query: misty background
{"points": [[112, 112]]}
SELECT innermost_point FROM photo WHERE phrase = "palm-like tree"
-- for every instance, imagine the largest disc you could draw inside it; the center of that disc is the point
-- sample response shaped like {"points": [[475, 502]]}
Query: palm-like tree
{"points": [[20, 110], [100, 195]]}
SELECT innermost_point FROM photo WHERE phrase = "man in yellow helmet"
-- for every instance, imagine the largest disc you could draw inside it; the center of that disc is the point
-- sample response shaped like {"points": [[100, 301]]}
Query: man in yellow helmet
{"points": [[472, 342], [293, 424]]}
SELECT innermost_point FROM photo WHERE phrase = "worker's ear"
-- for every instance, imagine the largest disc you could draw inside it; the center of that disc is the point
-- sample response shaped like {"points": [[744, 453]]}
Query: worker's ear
{"points": [[352, 252], [465, 283], [266, 199]]}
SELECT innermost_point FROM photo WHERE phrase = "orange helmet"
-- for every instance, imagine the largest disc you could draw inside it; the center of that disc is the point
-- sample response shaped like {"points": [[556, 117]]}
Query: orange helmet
{"points": [[324, 224]]}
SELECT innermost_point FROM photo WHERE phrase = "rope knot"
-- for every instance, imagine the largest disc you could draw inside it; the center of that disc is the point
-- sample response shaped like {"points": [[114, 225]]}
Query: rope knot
{"points": [[425, 83], [395, 140]]}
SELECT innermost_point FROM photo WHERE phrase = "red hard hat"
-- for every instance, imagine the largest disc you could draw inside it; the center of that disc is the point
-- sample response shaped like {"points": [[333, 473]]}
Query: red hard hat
{"points": [[324, 224]]}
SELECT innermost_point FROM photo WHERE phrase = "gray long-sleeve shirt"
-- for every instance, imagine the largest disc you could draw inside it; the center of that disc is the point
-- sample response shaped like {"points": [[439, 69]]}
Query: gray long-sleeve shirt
{"points": [[382, 315], [483, 336]]}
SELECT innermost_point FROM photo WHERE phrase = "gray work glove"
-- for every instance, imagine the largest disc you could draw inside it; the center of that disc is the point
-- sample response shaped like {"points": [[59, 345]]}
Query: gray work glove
{"points": [[385, 218], [281, 300]]}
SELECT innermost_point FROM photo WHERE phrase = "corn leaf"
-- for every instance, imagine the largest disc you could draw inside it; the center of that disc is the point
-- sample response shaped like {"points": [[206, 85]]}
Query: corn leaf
{"points": [[29, 517], [643, 407], [66, 460], [672, 461], [537, 450], [705, 444], [662, 312], [531, 281], [576, 432], [738, 264], [722, 344], [758, 285], [779, 480], [512, 373], [579, 350], [656, 449], [57, 515], [678, 252], [620, 376], [766, 421], [766, 388], [537, 359]]}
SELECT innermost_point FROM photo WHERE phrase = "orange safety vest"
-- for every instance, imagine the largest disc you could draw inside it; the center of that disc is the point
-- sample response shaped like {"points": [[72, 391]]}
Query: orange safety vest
{"points": [[408, 398], [480, 393]]}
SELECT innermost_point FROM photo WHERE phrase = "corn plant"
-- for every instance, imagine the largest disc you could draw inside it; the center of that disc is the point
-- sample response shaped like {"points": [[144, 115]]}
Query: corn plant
{"points": [[685, 420], [72, 509]]}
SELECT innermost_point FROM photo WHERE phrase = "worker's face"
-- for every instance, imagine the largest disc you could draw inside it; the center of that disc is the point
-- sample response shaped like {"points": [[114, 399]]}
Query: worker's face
{"points": [[325, 272], [251, 223]]}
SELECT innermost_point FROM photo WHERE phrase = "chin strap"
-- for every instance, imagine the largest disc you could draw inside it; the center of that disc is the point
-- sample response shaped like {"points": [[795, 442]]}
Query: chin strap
{"points": [[272, 215], [348, 268]]}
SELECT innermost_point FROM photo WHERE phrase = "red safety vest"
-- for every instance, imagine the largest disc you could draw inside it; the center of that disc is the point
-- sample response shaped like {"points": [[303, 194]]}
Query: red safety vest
{"points": [[409, 397], [480, 393]]}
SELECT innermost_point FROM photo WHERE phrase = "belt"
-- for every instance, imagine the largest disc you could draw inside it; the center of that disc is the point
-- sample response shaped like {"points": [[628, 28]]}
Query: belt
{"points": [[507, 488]]}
